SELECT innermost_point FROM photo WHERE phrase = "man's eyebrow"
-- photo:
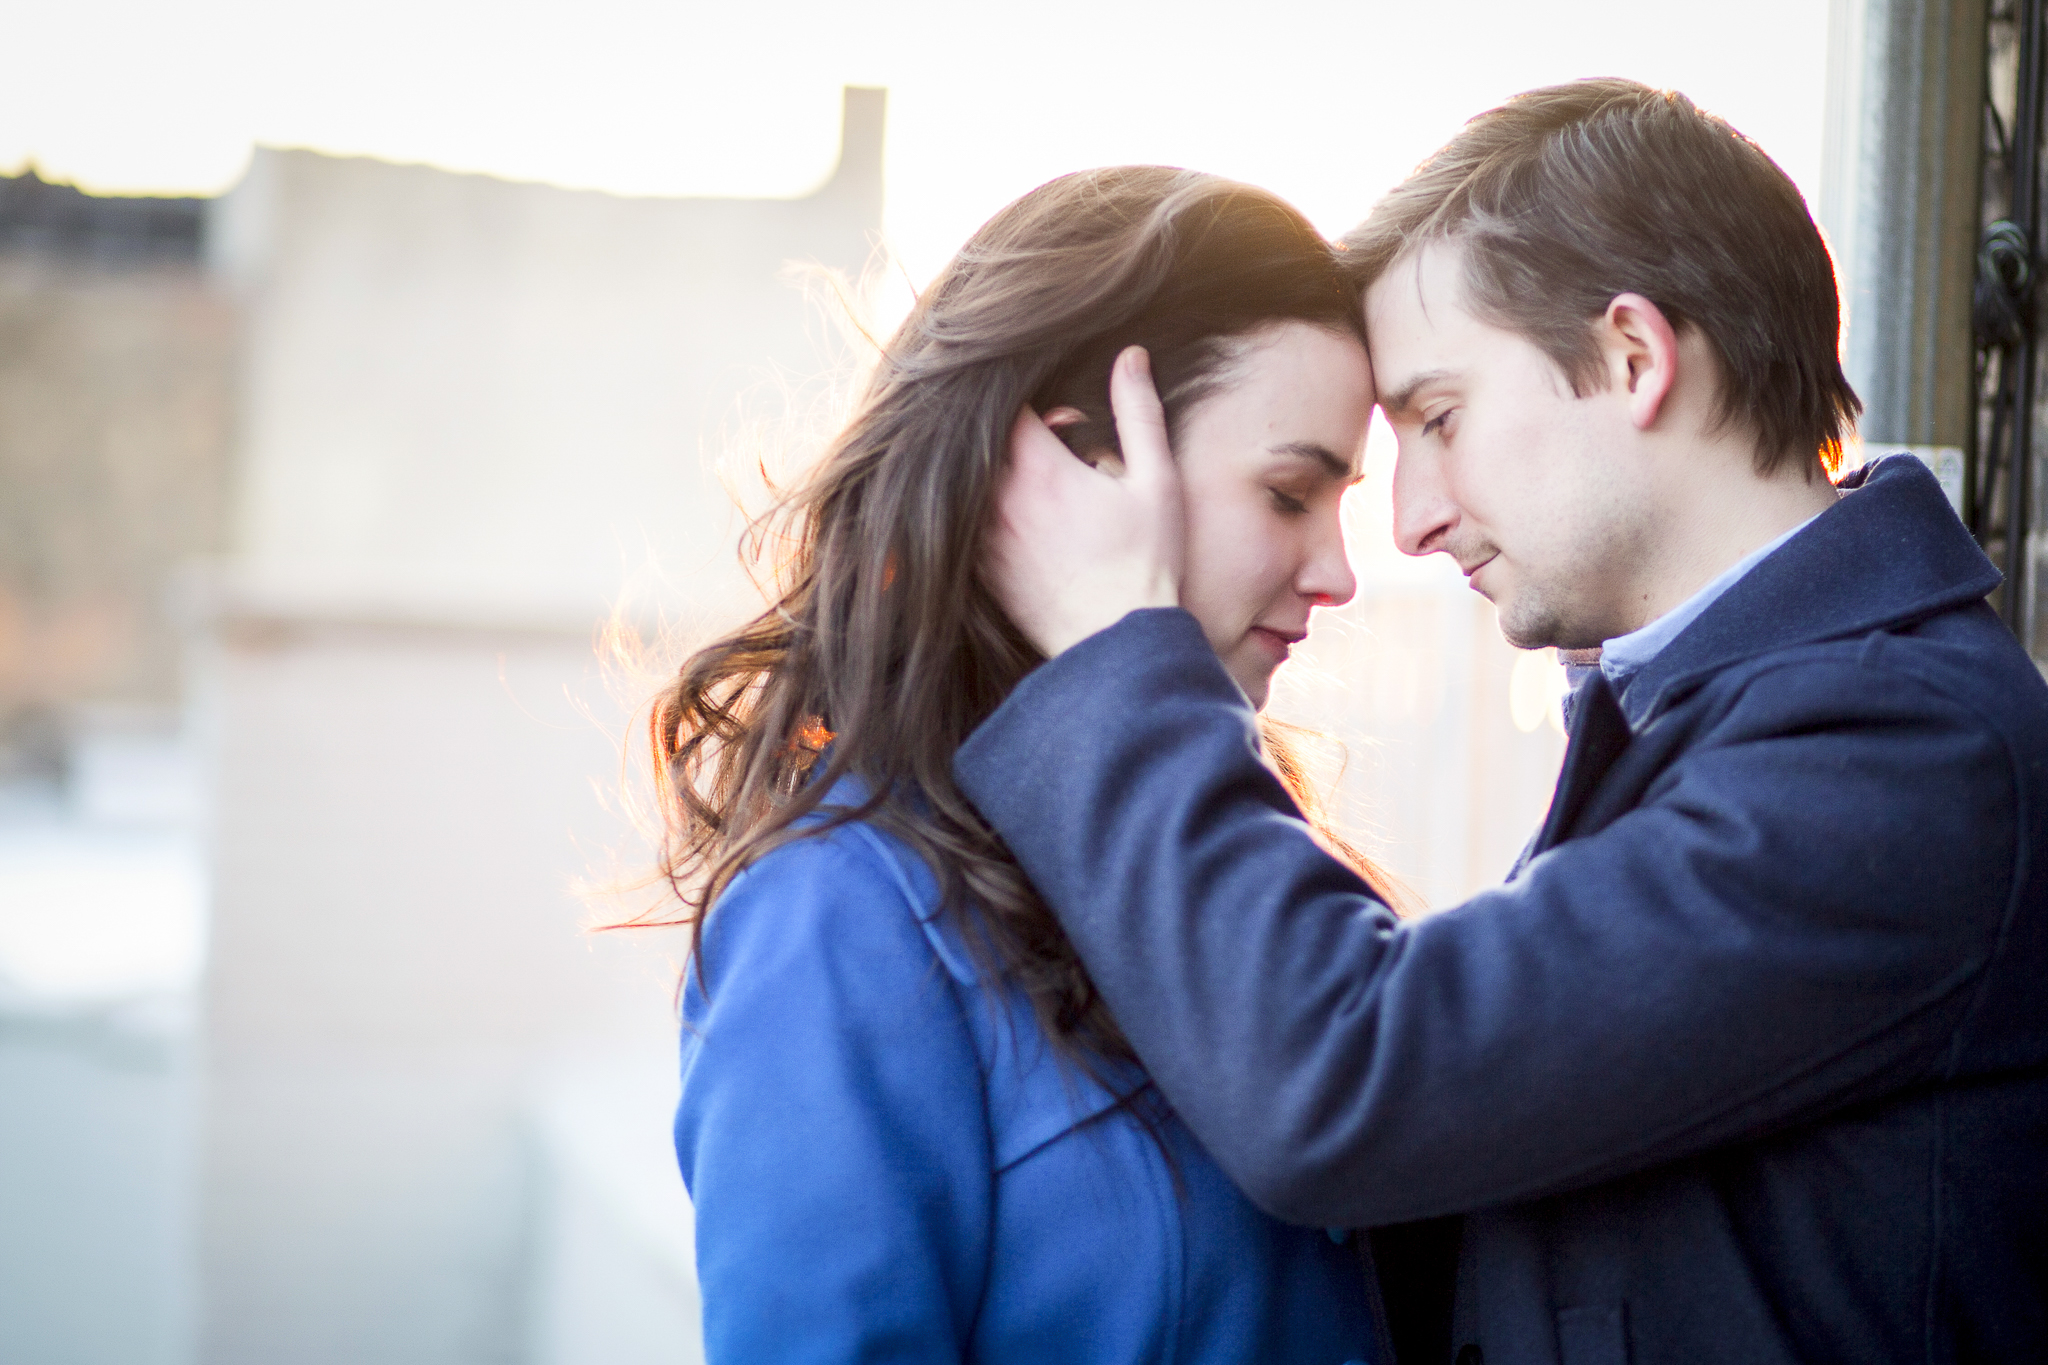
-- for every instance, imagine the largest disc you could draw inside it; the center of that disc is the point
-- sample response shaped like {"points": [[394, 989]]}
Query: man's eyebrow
{"points": [[1337, 465], [1399, 400]]}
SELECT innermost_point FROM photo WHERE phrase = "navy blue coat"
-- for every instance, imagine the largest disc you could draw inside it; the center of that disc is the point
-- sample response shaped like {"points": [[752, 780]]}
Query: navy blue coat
{"points": [[1750, 1061]]}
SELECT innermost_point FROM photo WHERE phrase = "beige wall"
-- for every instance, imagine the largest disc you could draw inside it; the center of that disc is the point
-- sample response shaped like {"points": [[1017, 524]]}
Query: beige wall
{"points": [[469, 394], [470, 410], [399, 965]]}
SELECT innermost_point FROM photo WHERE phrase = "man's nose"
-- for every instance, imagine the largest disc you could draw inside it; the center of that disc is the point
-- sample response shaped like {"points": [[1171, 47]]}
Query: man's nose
{"points": [[1423, 510]]}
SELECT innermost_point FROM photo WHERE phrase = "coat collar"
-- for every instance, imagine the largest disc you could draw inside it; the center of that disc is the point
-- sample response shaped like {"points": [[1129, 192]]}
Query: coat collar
{"points": [[1891, 551], [1599, 733]]}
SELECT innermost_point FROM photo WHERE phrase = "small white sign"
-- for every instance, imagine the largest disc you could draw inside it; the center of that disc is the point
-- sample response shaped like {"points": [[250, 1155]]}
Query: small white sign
{"points": [[1946, 462]]}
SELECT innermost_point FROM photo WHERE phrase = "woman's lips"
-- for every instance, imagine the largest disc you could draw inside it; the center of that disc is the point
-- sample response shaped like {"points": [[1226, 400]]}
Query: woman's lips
{"points": [[1278, 644]]}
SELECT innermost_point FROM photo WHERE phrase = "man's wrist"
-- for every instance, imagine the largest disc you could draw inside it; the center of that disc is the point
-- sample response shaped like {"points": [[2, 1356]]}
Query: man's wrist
{"points": [[1104, 613]]}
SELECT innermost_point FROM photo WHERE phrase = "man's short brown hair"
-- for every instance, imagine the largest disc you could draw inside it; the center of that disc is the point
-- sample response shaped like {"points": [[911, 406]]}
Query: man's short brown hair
{"points": [[1566, 196]]}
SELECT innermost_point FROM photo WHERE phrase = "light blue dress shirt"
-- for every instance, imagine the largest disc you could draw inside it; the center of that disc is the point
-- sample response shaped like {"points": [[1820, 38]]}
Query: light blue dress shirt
{"points": [[1625, 655]]}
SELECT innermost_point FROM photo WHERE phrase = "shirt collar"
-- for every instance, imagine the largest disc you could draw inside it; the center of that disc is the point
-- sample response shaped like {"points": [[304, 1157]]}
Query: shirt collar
{"points": [[1625, 655]]}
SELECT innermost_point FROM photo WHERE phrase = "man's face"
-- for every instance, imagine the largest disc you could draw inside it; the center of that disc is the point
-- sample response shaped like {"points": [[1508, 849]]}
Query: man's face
{"points": [[1529, 488]]}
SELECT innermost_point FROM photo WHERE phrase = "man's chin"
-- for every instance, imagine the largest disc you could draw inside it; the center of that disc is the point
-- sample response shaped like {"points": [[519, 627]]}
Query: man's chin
{"points": [[1528, 626]]}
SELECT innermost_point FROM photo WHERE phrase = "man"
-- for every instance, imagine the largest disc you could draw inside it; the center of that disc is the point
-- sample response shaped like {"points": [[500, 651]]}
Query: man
{"points": [[1748, 1061]]}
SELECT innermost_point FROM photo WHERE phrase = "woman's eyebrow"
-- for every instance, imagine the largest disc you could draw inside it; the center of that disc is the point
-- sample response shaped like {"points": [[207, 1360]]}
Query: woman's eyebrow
{"points": [[1337, 465]]}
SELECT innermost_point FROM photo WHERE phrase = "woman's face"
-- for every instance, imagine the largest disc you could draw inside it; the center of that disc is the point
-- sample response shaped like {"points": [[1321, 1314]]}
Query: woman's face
{"points": [[1264, 462]]}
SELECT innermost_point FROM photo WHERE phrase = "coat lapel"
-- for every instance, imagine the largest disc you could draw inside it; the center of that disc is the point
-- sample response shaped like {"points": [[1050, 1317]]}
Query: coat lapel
{"points": [[1599, 733], [1825, 582]]}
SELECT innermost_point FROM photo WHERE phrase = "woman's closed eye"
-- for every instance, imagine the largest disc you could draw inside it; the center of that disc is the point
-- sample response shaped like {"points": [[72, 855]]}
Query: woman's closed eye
{"points": [[1435, 425], [1287, 503]]}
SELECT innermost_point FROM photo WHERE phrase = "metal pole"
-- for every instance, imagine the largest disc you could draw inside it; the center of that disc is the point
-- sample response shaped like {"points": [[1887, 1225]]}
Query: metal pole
{"points": [[2026, 198], [1901, 189]]}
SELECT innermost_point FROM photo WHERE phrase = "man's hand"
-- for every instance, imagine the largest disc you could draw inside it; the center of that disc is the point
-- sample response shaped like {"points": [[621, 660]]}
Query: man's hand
{"points": [[1075, 548]]}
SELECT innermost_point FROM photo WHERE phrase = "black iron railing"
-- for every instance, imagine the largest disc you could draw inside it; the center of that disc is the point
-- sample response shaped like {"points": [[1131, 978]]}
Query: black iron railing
{"points": [[1999, 494]]}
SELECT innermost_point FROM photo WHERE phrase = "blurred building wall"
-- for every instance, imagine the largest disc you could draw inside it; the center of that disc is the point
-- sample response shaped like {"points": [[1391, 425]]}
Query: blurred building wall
{"points": [[115, 354], [470, 411]]}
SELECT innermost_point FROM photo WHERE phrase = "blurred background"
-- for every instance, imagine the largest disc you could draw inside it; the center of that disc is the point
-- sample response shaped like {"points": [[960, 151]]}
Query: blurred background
{"points": [[360, 364]]}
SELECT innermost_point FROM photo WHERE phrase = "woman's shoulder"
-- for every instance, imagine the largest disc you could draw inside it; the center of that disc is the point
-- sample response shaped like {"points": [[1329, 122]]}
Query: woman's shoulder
{"points": [[844, 889], [833, 859], [840, 932]]}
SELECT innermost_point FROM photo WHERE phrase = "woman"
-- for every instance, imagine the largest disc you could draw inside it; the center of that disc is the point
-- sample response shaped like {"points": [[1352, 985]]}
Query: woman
{"points": [[911, 1129]]}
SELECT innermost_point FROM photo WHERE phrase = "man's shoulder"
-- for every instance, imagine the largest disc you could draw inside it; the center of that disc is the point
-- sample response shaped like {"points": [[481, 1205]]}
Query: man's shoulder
{"points": [[1960, 668], [1938, 727]]}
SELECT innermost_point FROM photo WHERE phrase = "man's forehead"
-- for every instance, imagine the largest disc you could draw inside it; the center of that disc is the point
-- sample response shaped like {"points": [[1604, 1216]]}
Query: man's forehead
{"points": [[1426, 281], [1421, 334], [1413, 317]]}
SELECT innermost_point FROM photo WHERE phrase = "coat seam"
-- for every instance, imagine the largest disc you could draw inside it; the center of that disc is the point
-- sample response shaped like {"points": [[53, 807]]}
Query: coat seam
{"points": [[1936, 1225], [1086, 1111], [2017, 864]]}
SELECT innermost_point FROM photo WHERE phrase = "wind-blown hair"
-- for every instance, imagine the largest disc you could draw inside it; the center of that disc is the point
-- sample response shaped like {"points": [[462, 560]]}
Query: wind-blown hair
{"points": [[885, 648]]}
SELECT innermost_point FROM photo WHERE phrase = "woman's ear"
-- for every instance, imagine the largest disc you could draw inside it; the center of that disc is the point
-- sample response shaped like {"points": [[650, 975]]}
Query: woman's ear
{"points": [[1097, 456]]}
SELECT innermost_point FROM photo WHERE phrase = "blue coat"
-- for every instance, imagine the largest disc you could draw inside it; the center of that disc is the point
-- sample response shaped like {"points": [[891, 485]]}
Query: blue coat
{"points": [[888, 1164], [1750, 1061]]}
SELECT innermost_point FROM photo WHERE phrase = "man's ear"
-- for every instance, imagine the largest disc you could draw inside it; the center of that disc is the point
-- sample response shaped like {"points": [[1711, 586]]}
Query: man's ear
{"points": [[1640, 348]]}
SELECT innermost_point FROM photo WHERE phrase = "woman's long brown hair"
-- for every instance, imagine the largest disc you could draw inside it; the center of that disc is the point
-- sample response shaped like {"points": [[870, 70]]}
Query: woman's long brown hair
{"points": [[884, 648]]}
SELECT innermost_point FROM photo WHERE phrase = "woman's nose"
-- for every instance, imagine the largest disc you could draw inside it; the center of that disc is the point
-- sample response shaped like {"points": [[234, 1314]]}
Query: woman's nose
{"points": [[1326, 577]]}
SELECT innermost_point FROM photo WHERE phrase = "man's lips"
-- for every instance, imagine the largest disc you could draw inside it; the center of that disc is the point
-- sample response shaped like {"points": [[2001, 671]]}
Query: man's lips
{"points": [[1472, 574]]}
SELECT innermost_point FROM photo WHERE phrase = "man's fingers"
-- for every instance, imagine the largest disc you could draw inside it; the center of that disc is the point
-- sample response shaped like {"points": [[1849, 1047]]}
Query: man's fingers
{"points": [[1140, 420]]}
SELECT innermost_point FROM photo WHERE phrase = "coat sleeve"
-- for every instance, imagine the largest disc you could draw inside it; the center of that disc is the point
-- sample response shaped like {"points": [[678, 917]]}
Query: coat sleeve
{"points": [[1763, 939], [832, 1130]]}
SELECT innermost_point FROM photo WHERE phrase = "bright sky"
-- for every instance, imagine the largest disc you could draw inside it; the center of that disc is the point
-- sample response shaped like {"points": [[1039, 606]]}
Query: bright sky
{"points": [[1327, 103]]}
